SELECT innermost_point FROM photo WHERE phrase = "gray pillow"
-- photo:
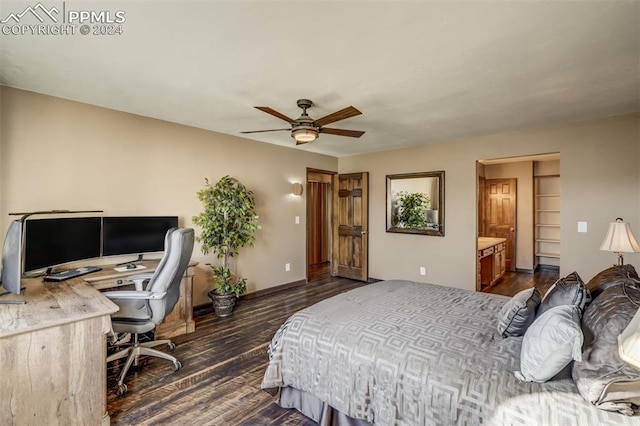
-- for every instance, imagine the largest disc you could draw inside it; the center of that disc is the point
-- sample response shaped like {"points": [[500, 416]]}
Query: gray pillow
{"points": [[550, 343], [602, 378], [518, 313], [569, 290], [616, 275]]}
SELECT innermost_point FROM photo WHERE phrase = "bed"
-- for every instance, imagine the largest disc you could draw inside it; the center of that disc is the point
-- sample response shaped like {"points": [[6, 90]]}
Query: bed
{"points": [[405, 353]]}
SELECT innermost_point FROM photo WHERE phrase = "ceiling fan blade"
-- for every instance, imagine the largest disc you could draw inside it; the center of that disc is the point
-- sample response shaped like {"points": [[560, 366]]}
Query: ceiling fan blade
{"points": [[301, 143], [262, 131], [342, 132], [275, 113], [345, 113]]}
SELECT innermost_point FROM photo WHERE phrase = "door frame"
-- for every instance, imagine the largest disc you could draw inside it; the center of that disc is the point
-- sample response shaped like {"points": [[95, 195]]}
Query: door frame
{"points": [[330, 173]]}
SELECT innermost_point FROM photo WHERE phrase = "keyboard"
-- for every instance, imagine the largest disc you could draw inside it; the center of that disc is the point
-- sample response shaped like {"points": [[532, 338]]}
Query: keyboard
{"points": [[71, 273]]}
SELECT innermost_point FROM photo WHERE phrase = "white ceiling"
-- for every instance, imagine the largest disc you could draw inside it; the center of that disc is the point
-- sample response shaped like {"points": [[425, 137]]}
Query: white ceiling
{"points": [[421, 72]]}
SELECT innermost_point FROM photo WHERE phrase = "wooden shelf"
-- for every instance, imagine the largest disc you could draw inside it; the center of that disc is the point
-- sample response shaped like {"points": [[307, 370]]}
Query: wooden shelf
{"points": [[554, 255], [547, 220]]}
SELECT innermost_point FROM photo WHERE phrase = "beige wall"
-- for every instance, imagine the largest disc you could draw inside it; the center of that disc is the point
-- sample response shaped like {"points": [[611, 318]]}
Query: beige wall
{"points": [[522, 171], [58, 154], [127, 164], [600, 181]]}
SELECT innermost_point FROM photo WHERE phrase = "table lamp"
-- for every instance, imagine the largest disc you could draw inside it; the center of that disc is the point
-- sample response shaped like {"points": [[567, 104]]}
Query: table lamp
{"points": [[620, 239]]}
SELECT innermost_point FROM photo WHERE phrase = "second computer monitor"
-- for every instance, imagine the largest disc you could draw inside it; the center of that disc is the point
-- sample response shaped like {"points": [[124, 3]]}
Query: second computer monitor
{"points": [[135, 234]]}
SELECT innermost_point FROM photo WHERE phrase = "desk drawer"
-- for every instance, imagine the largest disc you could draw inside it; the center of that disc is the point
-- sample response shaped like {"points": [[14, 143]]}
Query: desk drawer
{"points": [[487, 252]]}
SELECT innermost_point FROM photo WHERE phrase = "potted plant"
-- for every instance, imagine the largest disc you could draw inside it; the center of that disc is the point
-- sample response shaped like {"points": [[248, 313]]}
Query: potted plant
{"points": [[411, 210], [228, 223]]}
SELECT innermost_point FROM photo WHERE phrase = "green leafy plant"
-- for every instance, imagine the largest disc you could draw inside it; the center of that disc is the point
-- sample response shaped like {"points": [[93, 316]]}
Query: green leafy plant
{"points": [[226, 283], [410, 210], [228, 223]]}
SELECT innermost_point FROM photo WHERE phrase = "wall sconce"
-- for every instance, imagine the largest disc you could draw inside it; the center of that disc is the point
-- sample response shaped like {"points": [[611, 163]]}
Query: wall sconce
{"points": [[296, 188], [620, 239]]}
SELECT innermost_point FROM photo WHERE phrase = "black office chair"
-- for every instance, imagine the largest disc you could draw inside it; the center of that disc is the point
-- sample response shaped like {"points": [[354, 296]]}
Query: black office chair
{"points": [[142, 309]]}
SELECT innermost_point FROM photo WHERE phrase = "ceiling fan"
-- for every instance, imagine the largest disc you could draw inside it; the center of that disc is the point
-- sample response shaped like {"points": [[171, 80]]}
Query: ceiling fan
{"points": [[305, 129]]}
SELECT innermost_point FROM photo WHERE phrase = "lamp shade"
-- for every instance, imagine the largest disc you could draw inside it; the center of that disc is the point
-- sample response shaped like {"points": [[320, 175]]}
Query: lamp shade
{"points": [[619, 238]]}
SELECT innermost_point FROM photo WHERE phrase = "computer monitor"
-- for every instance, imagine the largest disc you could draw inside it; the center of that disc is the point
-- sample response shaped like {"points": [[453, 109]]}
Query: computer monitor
{"points": [[54, 242], [11, 258], [135, 234]]}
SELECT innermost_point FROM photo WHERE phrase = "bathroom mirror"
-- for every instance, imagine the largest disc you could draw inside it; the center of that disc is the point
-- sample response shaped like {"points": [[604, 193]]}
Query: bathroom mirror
{"points": [[415, 203]]}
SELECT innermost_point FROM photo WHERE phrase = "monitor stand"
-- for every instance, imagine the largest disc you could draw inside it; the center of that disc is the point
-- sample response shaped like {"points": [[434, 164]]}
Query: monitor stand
{"points": [[4, 292], [139, 259]]}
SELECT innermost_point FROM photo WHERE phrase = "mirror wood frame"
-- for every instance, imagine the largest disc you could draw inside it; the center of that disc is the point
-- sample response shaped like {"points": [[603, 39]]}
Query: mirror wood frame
{"points": [[394, 185]]}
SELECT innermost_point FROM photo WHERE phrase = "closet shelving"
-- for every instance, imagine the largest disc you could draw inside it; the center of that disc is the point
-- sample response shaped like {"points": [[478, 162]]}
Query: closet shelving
{"points": [[547, 219]]}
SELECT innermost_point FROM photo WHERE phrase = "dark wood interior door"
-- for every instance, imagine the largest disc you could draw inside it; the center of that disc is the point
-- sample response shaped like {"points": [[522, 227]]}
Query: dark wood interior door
{"points": [[350, 226], [500, 215]]}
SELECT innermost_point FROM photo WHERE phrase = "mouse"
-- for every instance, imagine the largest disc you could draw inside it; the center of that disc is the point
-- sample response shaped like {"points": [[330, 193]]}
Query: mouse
{"points": [[131, 266]]}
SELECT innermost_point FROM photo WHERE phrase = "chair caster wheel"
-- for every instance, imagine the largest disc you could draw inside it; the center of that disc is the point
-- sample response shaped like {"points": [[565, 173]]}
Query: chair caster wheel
{"points": [[177, 366], [122, 389], [171, 346]]}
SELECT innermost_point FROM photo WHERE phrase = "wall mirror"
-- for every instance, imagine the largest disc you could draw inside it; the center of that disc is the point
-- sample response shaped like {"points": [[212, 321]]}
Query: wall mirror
{"points": [[415, 203]]}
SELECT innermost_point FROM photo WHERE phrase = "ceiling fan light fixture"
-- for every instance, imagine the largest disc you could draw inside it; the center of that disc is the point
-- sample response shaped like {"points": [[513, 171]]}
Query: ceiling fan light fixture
{"points": [[304, 134], [305, 129]]}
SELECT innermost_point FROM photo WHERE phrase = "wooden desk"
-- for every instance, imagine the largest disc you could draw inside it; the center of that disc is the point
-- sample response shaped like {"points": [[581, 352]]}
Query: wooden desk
{"points": [[179, 321], [53, 351]]}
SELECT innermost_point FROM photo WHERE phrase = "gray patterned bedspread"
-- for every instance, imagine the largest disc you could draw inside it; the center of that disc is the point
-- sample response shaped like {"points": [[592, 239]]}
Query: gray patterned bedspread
{"points": [[406, 353]]}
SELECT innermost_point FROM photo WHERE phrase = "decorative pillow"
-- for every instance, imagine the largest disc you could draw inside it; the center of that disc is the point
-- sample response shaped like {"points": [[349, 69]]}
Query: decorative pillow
{"points": [[569, 290], [602, 377], [518, 313], [616, 275], [550, 343]]}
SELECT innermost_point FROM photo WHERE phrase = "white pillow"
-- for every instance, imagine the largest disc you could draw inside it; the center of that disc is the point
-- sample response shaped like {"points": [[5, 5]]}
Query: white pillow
{"points": [[550, 343]]}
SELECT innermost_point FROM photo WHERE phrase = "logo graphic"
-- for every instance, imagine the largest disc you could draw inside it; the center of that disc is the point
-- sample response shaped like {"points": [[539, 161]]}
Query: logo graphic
{"points": [[42, 21], [33, 11]]}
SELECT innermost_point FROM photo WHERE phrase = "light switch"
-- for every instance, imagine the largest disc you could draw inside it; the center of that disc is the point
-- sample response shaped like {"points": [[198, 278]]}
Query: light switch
{"points": [[297, 220], [582, 227]]}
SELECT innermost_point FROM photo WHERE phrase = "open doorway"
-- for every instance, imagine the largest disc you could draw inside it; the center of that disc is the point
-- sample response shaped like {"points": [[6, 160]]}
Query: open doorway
{"points": [[319, 232], [518, 221]]}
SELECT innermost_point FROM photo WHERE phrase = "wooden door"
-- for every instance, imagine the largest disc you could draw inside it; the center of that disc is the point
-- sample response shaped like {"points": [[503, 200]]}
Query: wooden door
{"points": [[350, 226], [500, 215]]}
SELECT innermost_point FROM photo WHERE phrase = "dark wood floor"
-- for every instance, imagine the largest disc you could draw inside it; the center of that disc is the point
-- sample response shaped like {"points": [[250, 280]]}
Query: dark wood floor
{"points": [[513, 282], [224, 361], [223, 364]]}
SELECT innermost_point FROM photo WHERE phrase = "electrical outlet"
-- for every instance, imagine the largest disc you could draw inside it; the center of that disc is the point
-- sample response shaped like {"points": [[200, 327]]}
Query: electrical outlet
{"points": [[582, 226], [287, 267], [423, 270]]}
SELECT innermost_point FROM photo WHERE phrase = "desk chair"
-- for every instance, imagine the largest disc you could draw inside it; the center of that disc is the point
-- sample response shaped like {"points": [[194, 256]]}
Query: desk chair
{"points": [[142, 309]]}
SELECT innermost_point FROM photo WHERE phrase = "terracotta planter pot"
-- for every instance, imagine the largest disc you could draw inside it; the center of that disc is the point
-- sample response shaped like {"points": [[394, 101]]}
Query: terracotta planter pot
{"points": [[222, 303]]}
